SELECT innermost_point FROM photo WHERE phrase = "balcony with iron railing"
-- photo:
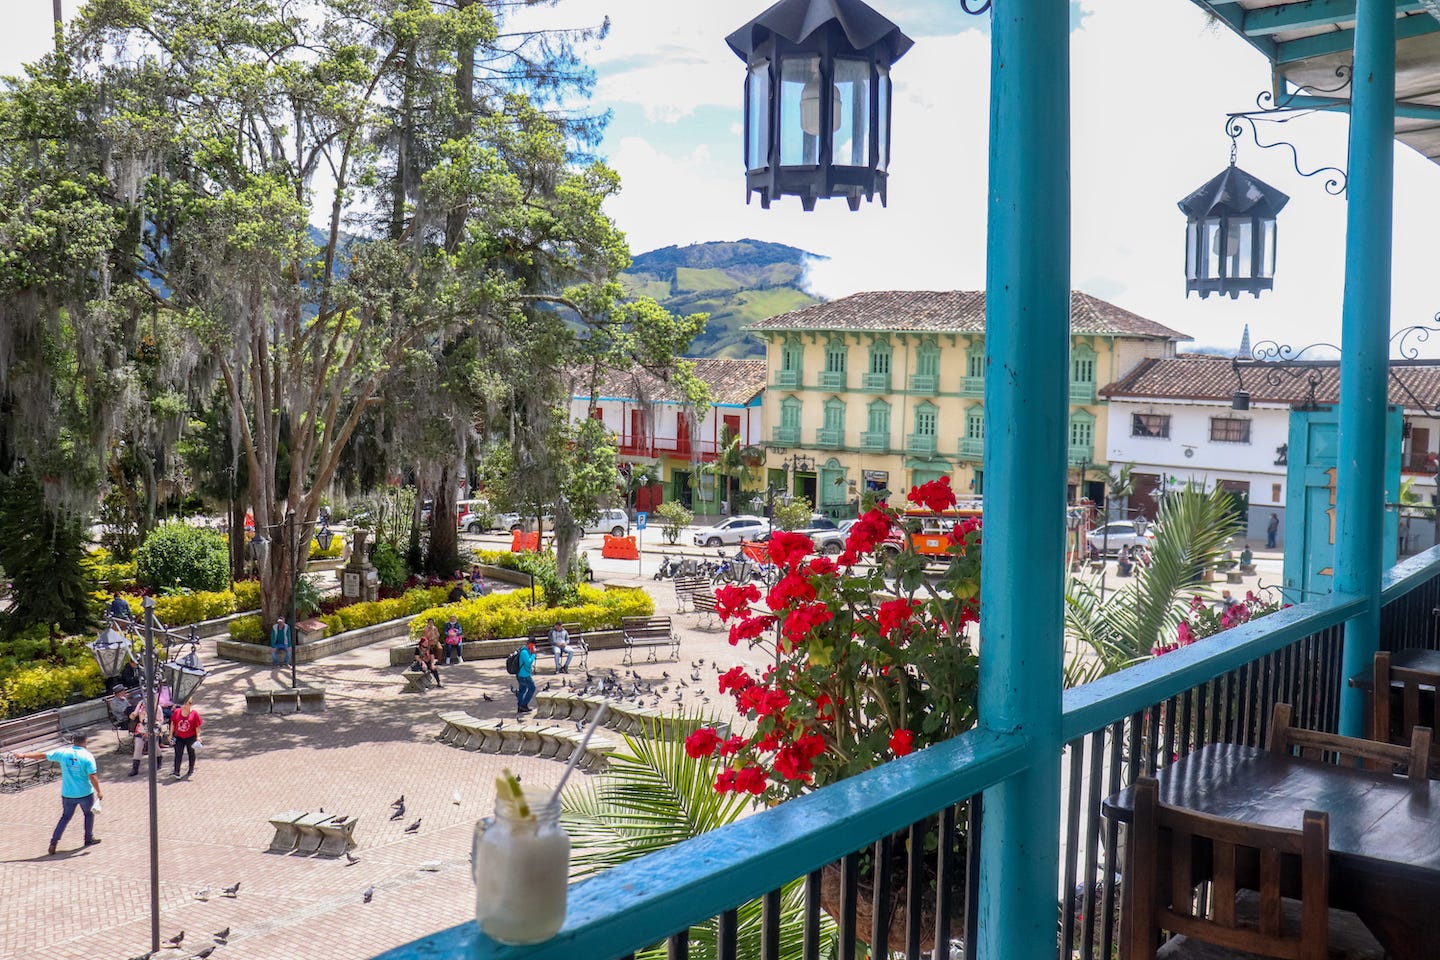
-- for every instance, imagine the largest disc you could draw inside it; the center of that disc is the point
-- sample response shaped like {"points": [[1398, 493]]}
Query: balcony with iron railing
{"points": [[834, 379], [650, 448], [972, 386], [926, 383], [875, 442], [1419, 461], [971, 448], [875, 382], [921, 444], [789, 379], [830, 437]]}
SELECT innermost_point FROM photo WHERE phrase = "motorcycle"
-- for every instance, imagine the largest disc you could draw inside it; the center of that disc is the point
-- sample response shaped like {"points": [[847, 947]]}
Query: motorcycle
{"points": [[669, 567]]}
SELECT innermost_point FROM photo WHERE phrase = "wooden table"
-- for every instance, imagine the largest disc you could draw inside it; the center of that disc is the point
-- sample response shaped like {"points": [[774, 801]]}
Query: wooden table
{"points": [[1384, 830]]}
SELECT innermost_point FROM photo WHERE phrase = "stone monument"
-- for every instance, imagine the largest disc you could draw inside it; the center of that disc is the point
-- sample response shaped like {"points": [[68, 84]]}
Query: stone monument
{"points": [[358, 578]]}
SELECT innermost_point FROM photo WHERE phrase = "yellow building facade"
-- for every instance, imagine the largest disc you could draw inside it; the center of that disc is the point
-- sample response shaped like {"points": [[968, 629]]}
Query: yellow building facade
{"points": [[884, 390]]}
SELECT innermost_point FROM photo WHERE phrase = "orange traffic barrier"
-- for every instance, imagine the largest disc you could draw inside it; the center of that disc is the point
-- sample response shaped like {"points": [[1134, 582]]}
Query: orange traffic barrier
{"points": [[520, 542], [756, 551], [619, 548]]}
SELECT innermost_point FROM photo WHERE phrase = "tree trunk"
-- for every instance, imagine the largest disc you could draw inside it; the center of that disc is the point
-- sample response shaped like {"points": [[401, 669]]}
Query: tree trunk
{"points": [[276, 585], [237, 540], [444, 557], [567, 537]]}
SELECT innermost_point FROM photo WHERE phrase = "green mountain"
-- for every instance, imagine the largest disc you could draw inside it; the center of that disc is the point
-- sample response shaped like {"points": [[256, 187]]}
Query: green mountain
{"points": [[735, 282]]}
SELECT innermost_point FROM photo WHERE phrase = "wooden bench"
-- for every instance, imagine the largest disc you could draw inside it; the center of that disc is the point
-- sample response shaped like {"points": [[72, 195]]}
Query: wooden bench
{"points": [[649, 632], [704, 604], [36, 733], [686, 588], [540, 636]]}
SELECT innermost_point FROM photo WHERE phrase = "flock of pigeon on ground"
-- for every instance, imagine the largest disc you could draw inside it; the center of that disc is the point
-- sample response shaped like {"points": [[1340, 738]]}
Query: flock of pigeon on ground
{"points": [[624, 686]]}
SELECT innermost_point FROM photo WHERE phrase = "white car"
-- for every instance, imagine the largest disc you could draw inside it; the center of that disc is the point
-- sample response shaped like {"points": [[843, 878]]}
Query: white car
{"points": [[731, 531], [614, 522], [1118, 534]]}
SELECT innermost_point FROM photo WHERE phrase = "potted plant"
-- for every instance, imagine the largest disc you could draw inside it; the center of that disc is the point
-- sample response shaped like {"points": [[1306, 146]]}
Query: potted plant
{"points": [[871, 661]]}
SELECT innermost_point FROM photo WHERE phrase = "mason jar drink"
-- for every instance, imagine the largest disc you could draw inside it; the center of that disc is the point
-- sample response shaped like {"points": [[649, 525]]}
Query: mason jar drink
{"points": [[521, 868]]}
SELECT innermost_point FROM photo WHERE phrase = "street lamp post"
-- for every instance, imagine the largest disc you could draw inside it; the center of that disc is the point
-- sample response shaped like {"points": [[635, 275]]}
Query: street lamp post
{"points": [[294, 583], [185, 674]]}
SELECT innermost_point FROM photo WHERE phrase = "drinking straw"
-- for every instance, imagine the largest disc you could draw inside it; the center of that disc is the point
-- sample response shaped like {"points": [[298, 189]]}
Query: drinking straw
{"points": [[579, 751]]}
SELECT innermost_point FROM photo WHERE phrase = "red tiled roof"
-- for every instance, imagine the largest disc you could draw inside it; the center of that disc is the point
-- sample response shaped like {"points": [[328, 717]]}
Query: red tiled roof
{"points": [[952, 311], [731, 381], [1193, 376]]}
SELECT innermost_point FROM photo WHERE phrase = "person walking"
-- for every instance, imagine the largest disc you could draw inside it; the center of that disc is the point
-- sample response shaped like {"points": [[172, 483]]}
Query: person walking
{"points": [[79, 787], [280, 641], [1272, 530], [185, 728], [454, 638], [525, 689]]}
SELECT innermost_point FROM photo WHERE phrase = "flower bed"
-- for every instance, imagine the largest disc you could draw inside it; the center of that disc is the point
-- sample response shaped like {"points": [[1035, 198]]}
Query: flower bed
{"points": [[180, 609], [510, 615], [353, 616]]}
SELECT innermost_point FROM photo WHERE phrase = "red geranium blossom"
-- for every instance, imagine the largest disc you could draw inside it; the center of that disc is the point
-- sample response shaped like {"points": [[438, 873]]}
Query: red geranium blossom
{"points": [[735, 679], [750, 780], [800, 622], [868, 533], [750, 628], [936, 495], [894, 613], [786, 548], [791, 589], [734, 601], [702, 742], [902, 742]]}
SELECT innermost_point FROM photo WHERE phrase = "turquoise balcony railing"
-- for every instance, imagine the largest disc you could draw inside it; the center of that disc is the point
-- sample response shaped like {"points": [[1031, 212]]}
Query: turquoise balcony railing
{"points": [[875, 442], [876, 382], [921, 443], [972, 386], [785, 436], [1082, 392], [971, 448], [924, 383], [789, 379], [1116, 729], [833, 379], [1081, 454], [830, 437]]}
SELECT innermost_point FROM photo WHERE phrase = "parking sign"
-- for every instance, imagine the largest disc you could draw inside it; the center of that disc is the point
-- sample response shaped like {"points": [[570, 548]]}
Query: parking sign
{"points": [[640, 519]]}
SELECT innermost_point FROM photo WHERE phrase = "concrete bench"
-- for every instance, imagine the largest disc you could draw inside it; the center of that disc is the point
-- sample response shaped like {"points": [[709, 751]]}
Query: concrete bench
{"points": [[650, 633], [309, 699], [545, 739], [1234, 576], [286, 833], [308, 828], [686, 588], [415, 681], [336, 838]]}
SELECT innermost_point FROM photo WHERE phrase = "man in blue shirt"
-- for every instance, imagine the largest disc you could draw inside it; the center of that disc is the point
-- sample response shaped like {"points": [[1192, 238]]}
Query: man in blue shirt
{"points": [[119, 609], [79, 786], [525, 690], [280, 641]]}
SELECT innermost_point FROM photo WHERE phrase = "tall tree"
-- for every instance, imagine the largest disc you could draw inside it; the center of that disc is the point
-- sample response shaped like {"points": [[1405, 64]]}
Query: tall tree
{"points": [[41, 547]]}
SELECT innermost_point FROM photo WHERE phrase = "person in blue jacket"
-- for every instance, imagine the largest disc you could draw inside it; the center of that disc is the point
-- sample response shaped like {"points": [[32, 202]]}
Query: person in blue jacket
{"points": [[525, 690]]}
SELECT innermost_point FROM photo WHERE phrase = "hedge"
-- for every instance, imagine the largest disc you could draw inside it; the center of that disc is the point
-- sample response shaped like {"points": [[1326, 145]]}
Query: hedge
{"points": [[47, 685], [106, 573], [353, 617], [178, 555], [337, 547], [509, 614], [182, 609]]}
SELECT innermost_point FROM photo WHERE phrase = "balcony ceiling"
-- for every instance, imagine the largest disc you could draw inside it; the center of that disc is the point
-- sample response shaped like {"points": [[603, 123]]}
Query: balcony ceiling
{"points": [[1306, 41]]}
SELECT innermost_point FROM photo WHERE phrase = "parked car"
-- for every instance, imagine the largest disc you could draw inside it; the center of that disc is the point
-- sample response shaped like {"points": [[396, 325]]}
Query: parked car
{"points": [[832, 541], [1118, 534], [614, 522], [731, 531], [471, 516]]}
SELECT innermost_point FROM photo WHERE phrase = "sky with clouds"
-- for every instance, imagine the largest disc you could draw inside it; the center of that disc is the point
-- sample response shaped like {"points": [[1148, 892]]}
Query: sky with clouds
{"points": [[1151, 83]]}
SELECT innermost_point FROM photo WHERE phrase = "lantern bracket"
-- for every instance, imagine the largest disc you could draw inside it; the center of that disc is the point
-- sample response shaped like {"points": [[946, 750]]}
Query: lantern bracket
{"points": [[1270, 109], [975, 10]]}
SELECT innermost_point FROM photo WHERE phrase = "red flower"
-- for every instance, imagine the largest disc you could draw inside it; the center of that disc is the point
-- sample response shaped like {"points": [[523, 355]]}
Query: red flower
{"points": [[732, 746], [811, 745], [793, 588], [734, 601], [935, 495], [750, 628], [792, 764], [786, 548], [725, 781], [824, 709], [800, 622], [763, 700], [902, 742], [895, 613], [867, 533], [735, 679], [702, 742], [750, 780], [822, 567]]}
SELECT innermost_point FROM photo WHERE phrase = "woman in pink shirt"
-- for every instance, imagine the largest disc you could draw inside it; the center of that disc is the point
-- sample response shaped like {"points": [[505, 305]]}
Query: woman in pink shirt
{"points": [[185, 727]]}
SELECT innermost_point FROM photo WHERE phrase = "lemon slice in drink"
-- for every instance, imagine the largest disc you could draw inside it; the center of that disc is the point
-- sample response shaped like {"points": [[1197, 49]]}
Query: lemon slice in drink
{"points": [[508, 786]]}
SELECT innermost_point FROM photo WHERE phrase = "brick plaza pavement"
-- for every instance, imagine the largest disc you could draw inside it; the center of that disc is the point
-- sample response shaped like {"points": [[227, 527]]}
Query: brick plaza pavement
{"points": [[369, 746]]}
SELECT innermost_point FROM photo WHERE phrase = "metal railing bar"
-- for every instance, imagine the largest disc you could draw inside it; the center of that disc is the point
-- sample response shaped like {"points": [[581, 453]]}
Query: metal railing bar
{"points": [[1071, 834], [677, 947], [770, 926], [914, 890], [945, 877], [810, 948], [727, 930], [1409, 575], [881, 909], [1109, 698], [849, 899]]}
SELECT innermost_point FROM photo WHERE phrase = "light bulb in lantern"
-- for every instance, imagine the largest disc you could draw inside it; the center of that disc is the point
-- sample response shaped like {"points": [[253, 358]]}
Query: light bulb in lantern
{"points": [[810, 107], [1232, 243]]}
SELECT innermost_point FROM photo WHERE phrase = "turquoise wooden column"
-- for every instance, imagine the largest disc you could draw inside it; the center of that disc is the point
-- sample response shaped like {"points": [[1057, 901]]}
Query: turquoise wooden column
{"points": [[1027, 358], [1365, 342]]}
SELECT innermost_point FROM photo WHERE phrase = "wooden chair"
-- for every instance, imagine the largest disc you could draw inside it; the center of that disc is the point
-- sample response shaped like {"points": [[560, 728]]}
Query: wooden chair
{"points": [[1172, 850], [1290, 740], [1416, 693]]}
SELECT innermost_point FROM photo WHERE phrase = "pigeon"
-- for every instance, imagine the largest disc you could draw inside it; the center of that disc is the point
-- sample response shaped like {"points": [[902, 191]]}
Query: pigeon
{"points": [[499, 724], [222, 936], [682, 682], [368, 895], [665, 674], [413, 828], [204, 953], [176, 940], [399, 812], [339, 820], [579, 725], [398, 803], [351, 859], [203, 895], [547, 686], [486, 697], [456, 798], [231, 891], [322, 810], [695, 677]]}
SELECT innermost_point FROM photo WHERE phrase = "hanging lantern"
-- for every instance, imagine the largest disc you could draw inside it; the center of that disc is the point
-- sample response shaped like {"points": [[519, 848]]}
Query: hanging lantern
{"points": [[1230, 234], [817, 100], [110, 650]]}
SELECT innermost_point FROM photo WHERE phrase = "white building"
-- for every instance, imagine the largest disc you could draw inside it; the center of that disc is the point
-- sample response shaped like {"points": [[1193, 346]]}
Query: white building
{"points": [[657, 432], [1173, 420]]}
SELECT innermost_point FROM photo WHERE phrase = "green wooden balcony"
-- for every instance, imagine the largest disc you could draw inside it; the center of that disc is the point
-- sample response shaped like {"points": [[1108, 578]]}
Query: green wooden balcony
{"points": [[834, 379], [921, 444], [1081, 455], [972, 386], [785, 436], [1082, 392], [924, 383], [875, 382], [789, 379], [971, 448], [830, 437], [875, 442]]}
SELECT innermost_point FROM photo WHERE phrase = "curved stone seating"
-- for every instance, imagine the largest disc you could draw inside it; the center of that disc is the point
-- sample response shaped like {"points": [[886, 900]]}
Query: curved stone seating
{"points": [[622, 717], [541, 738]]}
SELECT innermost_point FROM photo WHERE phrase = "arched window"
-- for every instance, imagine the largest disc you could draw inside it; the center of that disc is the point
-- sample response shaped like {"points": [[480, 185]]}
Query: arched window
{"points": [[878, 377], [791, 373], [1082, 437], [973, 383], [836, 354], [972, 442], [832, 430], [927, 417], [788, 432], [1082, 374], [927, 368], [877, 427]]}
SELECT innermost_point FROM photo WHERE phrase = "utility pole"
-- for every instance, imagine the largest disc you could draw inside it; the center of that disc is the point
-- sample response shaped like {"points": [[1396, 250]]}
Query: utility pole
{"points": [[59, 24]]}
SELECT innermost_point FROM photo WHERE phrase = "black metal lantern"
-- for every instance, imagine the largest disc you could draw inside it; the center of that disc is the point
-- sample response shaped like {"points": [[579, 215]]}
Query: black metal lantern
{"points": [[1230, 234], [184, 672], [817, 100], [324, 538], [259, 548], [111, 649]]}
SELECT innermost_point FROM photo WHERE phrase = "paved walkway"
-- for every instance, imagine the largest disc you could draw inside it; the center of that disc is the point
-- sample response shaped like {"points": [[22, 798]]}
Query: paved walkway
{"points": [[369, 746]]}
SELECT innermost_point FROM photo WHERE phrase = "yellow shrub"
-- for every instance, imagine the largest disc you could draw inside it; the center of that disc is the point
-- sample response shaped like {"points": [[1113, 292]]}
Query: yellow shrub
{"points": [[44, 686], [247, 594]]}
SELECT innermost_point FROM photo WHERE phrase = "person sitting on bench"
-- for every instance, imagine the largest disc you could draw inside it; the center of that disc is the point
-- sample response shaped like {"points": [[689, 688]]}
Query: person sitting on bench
{"points": [[426, 652], [118, 706], [560, 644]]}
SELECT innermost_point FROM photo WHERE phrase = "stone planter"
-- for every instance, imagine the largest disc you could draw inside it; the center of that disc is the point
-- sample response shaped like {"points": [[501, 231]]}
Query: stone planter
{"points": [[318, 649]]}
